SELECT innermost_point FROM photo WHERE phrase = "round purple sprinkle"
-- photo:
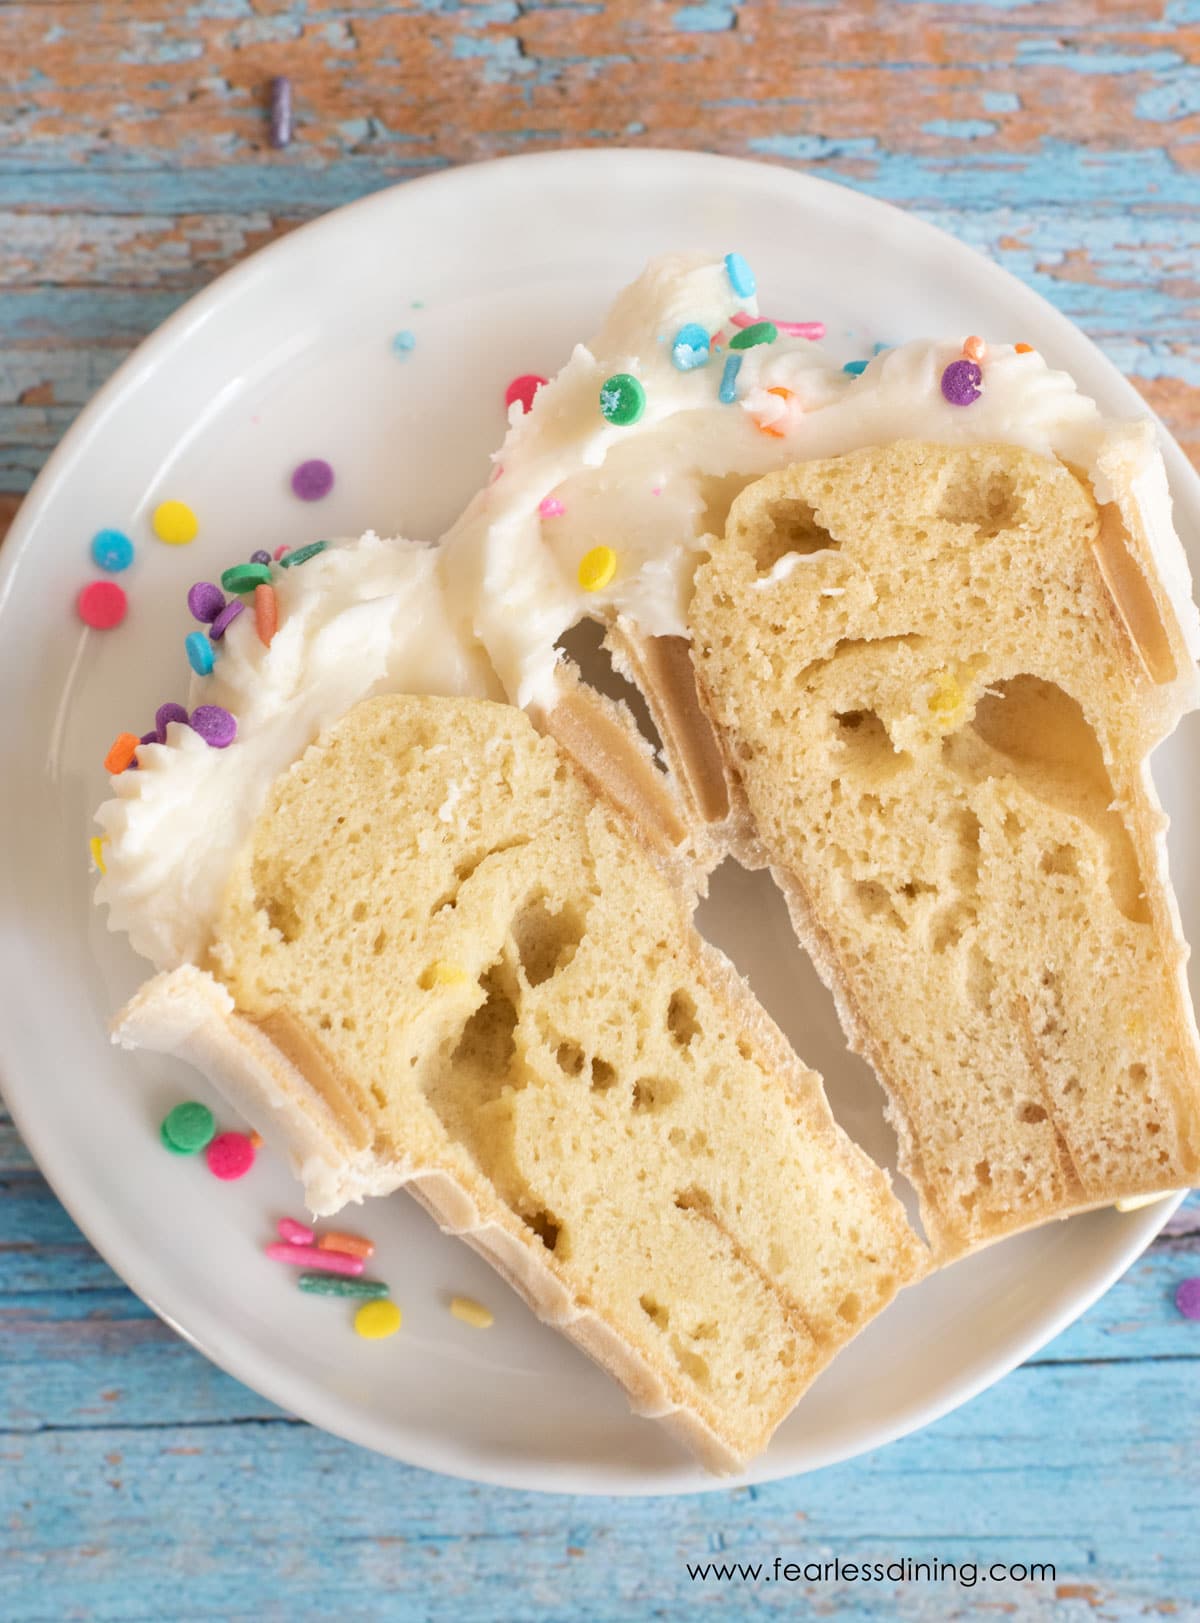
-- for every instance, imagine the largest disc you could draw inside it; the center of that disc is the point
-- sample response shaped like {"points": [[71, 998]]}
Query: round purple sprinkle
{"points": [[205, 601], [312, 480], [165, 714], [260, 557], [960, 382], [1187, 1298], [215, 725], [225, 619]]}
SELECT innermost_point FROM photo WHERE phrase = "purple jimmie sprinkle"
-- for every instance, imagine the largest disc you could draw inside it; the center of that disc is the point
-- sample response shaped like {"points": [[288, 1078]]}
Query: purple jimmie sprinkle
{"points": [[163, 716], [225, 619], [960, 382], [281, 112], [215, 725]]}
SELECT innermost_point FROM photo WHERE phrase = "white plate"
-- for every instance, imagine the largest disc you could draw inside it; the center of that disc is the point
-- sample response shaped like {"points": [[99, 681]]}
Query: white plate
{"points": [[290, 356]]}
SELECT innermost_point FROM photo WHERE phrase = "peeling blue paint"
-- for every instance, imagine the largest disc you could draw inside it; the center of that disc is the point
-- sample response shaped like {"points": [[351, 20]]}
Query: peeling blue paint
{"points": [[812, 148], [1177, 98], [1053, 53], [1001, 101], [707, 18], [501, 56], [960, 129]]}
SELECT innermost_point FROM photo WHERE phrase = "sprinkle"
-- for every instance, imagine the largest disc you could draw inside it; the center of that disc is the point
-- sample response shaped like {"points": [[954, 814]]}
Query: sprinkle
{"points": [[199, 653], [301, 555], [368, 1290], [350, 1245], [312, 480], [741, 277], [225, 619], [230, 1156], [215, 725], [96, 847], [188, 1129], [523, 388], [727, 393], [974, 349], [773, 428], [622, 399], [205, 601], [262, 556], [1023, 349], [960, 382], [689, 348], [472, 1313], [174, 523], [551, 507], [377, 1320], [149, 738], [280, 551], [256, 1139], [307, 1256], [295, 1233], [442, 974], [855, 369], [112, 550], [794, 329], [404, 342], [266, 613], [122, 752], [281, 111], [1187, 1298], [759, 332], [102, 604], [164, 716], [245, 577], [597, 568], [947, 696]]}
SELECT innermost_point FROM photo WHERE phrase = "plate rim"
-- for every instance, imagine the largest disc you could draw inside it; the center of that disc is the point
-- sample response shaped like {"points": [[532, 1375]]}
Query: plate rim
{"points": [[270, 1382]]}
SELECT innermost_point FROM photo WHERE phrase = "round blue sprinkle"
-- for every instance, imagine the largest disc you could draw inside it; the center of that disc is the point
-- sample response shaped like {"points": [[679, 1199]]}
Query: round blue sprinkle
{"points": [[741, 277], [689, 348], [112, 550], [200, 653], [855, 368], [404, 341]]}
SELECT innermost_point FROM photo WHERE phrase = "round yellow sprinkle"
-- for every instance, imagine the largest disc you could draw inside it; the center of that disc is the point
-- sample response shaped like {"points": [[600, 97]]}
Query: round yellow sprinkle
{"points": [[96, 847], [443, 974], [597, 568], [376, 1321], [174, 523], [472, 1313]]}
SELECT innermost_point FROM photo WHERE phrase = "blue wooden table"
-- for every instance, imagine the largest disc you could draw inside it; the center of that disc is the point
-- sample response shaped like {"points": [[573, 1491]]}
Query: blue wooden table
{"points": [[1063, 138]]}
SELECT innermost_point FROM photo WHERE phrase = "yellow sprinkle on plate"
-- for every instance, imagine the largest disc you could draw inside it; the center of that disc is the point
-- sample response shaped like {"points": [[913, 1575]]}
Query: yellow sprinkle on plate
{"points": [[472, 1313], [443, 974], [597, 568], [96, 847], [174, 523], [376, 1321]]}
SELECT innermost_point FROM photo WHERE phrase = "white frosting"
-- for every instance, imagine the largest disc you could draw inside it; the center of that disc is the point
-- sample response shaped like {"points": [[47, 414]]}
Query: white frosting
{"points": [[646, 490], [362, 618]]}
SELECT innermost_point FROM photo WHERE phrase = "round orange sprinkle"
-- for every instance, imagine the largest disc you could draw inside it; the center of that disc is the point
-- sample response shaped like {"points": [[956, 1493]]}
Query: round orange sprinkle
{"points": [[974, 349], [255, 1139], [121, 753], [1023, 349], [266, 613], [773, 429]]}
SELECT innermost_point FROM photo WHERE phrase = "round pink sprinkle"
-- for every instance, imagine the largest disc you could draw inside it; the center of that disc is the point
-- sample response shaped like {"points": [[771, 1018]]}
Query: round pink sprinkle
{"points": [[205, 601], [523, 389], [215, 725], [312, 479], [279, 551], [295, 1233], [226, 618], [551, 507], [229, 1156], [163, 716], [1187, 1298], [960, 382]]}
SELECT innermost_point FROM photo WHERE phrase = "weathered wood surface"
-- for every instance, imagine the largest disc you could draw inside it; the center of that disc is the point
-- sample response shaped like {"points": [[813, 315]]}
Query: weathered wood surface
{"points": [[1062, 138]]}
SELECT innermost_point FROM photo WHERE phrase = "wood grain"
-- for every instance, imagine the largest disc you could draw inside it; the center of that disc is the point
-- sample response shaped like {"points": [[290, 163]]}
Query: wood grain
{"points": [[1061, 138]]}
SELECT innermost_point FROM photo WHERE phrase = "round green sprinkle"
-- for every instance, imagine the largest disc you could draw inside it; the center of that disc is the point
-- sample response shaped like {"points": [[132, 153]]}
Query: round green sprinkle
{"points": [[301, 554], [245, 577], [188, 1128], [370, 1290], [762, 332], [622, 399]]}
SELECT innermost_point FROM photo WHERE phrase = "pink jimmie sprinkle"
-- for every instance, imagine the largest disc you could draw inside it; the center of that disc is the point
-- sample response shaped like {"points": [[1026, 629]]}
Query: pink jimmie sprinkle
{"points": [[279, 551], [656, 490], [551, 507], [295, 1233], [794, 329], [308, 1256]]}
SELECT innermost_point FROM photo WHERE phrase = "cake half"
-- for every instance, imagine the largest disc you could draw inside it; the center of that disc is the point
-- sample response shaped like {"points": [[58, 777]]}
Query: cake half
{"points": [[938, 674], [442, 962]]}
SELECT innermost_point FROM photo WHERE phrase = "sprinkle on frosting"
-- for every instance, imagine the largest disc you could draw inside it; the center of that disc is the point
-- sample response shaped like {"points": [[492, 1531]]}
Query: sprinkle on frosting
{"points": [[758, 332], [215, 725], [164, 716], [201, 655], [96, 848], [301, 555], [690, 348], [961, 382], [597, 568], [727, 393], [975, 350], [122, 752], [266, 613], [522, 389], [741, 277], [622, 399], [550, 507], [245, 577], [205, 601], [225, 619]]}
